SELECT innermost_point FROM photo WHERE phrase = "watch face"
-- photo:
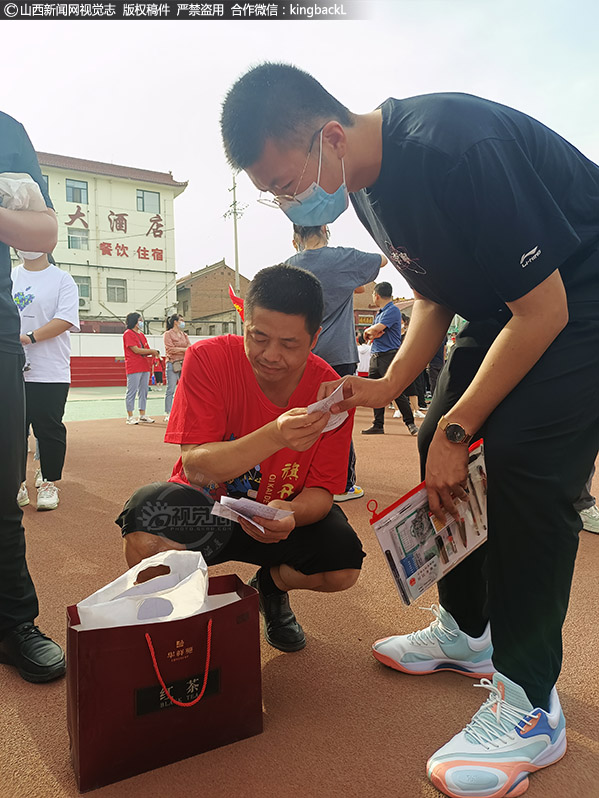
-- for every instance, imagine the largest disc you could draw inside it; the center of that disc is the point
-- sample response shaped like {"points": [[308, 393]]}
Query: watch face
{"points": [[455, 433]]}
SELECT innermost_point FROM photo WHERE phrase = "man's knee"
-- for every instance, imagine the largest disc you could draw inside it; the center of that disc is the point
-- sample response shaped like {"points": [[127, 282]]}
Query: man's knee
{"points": [[140, 545], [335, 581]]}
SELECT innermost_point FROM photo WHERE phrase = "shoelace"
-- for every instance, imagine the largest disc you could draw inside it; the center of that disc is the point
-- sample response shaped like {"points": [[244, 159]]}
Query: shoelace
{"points": [[47, 491], [433, 633], [489, 726], [28, 632]]}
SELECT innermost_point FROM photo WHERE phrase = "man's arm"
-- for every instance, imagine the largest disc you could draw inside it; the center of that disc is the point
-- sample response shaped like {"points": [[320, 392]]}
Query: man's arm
{"points": [[33, 231], [374, 331], [52, 329], [538, 318], [220, 461], [427, 330]]}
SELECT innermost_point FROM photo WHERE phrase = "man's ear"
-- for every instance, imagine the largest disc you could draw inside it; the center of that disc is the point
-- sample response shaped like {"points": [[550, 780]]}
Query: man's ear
{"points": [[334, 135], [315, 339], [294, 242]]}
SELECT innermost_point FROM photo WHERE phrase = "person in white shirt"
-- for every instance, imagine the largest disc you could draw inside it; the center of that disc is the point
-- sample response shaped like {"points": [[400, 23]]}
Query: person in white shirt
{"points": [[48, 302]]}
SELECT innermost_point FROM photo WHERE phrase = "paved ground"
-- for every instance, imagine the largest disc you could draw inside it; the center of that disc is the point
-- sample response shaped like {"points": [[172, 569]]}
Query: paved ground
{"points": [[337, 723], [86, 404]]}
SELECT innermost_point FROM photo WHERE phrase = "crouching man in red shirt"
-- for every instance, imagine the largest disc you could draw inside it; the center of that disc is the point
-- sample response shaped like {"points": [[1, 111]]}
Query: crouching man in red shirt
{"points": [[240, 418]]}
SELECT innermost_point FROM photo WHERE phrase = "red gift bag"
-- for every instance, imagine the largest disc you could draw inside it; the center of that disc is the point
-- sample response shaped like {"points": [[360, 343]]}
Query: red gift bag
{"points": [[139, 697]]}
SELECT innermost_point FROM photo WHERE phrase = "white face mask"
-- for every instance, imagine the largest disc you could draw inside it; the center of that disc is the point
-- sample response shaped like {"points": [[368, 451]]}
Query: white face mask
{"points": [[29, 255]]}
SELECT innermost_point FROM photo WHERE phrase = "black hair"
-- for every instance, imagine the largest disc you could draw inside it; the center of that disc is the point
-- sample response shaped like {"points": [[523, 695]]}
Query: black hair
{"points": [[132, 319], [287, 289], [274, 101], [384, 290], [361, 339], [170, 322], [305, 233]]}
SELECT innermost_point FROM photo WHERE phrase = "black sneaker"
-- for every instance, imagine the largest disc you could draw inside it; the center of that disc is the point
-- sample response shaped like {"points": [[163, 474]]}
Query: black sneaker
{"points": [[35, 656], [412, 429], [281, 628], [373, 431]]}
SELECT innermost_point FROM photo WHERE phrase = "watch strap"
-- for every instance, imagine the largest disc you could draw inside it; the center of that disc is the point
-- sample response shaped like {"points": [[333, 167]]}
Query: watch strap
{"points": [[31, 337]]}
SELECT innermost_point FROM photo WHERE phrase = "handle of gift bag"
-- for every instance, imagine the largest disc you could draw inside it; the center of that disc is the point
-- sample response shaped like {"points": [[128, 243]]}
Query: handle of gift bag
{"points": [[161, 680]]}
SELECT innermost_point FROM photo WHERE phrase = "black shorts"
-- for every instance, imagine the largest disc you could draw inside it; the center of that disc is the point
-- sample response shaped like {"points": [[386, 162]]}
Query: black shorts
{"points": [[182, 513]]}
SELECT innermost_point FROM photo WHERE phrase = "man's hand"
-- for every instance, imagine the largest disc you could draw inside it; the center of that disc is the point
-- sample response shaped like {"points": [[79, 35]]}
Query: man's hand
{"points": [[25, 340], [274, 531], [358, 392], [446, 475], [155, 352], [298, 430]]}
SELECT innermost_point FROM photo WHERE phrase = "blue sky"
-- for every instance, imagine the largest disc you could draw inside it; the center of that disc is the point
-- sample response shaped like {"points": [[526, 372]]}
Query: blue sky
{"points": [[148, 94]]}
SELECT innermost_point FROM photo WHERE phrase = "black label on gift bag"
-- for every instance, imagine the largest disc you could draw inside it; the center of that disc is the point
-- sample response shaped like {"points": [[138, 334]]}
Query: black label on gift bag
{"points": [[153, 699]]}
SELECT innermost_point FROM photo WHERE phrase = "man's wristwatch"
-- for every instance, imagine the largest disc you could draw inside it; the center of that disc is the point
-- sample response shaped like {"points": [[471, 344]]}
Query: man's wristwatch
{"points": [[31, 337], [454, 432]]}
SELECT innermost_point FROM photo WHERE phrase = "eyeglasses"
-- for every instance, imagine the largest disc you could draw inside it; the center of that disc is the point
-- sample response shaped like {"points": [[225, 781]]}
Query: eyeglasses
{"points": [[290, 199]]}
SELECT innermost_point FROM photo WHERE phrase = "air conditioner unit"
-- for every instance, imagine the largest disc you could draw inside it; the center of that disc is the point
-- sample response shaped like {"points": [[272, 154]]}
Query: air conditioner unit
{"points": [[84, 303]]}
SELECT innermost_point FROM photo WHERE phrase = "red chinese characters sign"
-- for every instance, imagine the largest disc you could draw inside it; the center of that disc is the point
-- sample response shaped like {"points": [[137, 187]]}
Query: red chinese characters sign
{"points": [[118, 223]]}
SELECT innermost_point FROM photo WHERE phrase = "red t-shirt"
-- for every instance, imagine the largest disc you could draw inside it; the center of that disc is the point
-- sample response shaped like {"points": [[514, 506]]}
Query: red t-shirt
{"points": [[135, 363], [219, 399]]}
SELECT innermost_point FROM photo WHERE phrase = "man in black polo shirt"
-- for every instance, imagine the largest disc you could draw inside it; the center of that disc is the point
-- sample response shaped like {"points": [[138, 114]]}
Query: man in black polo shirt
{"points": [[36, 657], [491, 215]]}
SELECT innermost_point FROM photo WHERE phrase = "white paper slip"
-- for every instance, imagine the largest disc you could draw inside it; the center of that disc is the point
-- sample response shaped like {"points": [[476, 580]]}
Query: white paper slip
{"points": [[251, 509], [324, 405], [233, 509], [226, 512]]}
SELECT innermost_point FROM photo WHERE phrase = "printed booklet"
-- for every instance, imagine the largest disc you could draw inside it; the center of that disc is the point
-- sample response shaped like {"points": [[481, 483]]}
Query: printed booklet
{"points": [[419, 547]]}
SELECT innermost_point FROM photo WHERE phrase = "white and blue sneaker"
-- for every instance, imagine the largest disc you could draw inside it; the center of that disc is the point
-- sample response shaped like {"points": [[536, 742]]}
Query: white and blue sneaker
{"points": [[504, 742], [442, 646]]}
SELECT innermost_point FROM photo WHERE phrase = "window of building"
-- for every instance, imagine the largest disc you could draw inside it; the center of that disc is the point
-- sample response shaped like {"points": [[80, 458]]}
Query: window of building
{"points": [[148, 201], [116, 290], [185, 308], [225, 327], [45, 179], [198, 330], [78, 239], [212, 329], [76, 191], [84, 286]]}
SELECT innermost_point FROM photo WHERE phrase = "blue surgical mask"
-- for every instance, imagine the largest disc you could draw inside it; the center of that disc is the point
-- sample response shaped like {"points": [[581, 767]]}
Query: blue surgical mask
{"points": [[181, 325], [317, 207], [140, 324]]}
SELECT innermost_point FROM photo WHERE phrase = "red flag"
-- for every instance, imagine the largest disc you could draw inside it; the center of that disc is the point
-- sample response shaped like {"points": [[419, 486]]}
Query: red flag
{"points": [[237, 301]]}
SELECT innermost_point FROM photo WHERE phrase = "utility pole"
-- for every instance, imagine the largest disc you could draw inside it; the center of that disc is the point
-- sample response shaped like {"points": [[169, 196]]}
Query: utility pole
{"points": [[236, 211]]}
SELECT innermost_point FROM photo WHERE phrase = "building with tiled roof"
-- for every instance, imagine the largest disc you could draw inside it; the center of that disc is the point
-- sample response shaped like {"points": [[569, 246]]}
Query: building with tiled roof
{"points": [[116, 238]]}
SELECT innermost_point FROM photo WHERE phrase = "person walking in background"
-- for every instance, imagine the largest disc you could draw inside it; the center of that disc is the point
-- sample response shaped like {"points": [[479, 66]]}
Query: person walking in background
{"points": [[36, 657], [138, 365], [435, 366], [586, 506], [341, 270], [176, 343], [364, 351], [158, 372], [385, 335], [48, 301]]}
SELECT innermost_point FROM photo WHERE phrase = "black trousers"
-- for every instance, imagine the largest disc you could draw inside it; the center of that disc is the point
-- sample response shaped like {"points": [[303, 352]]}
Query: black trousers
{"points": [[18, 601], [182, 513], [379, 363], [539, 447], [346, 370], [45, 402]]}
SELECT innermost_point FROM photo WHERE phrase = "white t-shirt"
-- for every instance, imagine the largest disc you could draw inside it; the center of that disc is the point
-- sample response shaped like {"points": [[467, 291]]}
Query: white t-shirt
{"points": [[364, 355], [40, 297]]}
